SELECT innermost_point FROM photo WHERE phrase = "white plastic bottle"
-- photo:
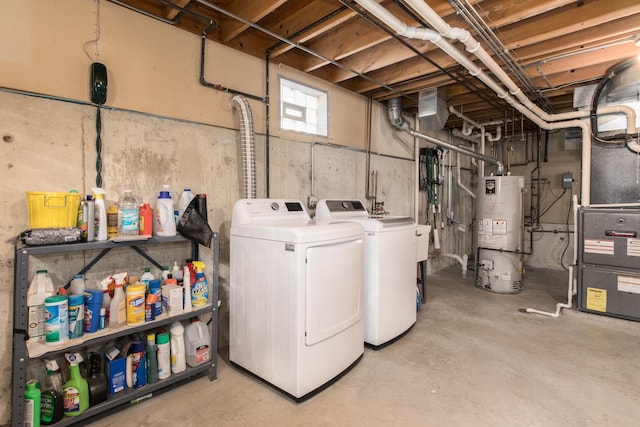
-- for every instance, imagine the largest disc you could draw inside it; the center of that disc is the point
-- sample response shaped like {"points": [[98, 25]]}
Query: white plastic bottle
{"points": [[100, 214], [40, 288], [128, 215], [186, 284], [178, 355], [146, 277], [197, 343], [185, 199], [118, 307], [77, 285], [165, 224], [106, 300], [176, 272], [164, 356]]}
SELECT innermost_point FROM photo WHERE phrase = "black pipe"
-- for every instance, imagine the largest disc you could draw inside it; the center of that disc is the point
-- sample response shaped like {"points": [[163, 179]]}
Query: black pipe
{"points": [[218, 86]]}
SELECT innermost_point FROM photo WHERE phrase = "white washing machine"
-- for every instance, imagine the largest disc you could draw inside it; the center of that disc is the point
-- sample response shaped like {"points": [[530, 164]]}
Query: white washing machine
{"points": [[390, 268], [296, 296]]}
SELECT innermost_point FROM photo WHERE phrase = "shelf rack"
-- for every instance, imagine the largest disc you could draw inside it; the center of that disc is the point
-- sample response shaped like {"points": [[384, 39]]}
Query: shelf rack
{"points": [[23, 351]]}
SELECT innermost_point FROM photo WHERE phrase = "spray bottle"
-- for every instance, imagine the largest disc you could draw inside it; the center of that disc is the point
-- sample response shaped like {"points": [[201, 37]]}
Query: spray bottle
{"points": [[200, 289], [51, 402], [118, 306], [101, 213], [76, 390]]}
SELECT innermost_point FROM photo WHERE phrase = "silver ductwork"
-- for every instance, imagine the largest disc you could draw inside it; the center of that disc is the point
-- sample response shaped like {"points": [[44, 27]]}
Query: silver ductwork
{"points": [[432, 109], [247, 140], [394, 113]]}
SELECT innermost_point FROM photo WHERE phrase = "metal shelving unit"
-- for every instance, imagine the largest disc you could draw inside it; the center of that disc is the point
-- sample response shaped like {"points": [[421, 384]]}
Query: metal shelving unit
{"points": [[23, 351]]}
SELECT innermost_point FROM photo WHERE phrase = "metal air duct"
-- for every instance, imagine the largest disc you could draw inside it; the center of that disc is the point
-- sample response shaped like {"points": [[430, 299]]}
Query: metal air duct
{"points": [[247, 139]]}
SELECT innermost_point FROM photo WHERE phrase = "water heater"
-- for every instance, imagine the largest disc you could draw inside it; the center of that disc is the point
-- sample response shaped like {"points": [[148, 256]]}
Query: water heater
{"points": [[499, 223]]}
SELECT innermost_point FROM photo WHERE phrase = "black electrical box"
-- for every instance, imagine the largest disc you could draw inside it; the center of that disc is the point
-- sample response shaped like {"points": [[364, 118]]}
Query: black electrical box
{"points": [[567, 180]]}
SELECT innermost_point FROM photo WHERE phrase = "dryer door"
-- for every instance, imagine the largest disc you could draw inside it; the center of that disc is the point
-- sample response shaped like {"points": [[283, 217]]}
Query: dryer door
{"points": [[334, 285]]}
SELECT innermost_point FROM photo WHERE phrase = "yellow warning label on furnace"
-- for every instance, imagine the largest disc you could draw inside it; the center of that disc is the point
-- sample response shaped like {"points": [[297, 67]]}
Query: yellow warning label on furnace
{"points": [[597, 299]]}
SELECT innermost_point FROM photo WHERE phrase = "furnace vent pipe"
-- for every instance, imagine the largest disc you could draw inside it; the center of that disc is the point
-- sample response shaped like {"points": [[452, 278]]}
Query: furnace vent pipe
{"points": [[247, 139], [396, 119]]}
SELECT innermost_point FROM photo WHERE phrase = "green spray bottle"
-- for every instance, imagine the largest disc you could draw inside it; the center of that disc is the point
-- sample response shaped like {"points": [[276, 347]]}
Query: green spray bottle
{"points": [[76, 390]]}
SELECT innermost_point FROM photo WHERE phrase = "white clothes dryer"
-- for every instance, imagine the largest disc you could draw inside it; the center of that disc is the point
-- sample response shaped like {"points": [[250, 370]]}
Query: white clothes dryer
{"points": [[390, 268], [296, 296]]}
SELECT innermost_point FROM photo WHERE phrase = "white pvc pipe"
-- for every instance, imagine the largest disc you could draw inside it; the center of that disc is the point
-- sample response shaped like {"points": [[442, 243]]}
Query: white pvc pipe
{"points": [[559, 305], [463, 260], [474, 47]]}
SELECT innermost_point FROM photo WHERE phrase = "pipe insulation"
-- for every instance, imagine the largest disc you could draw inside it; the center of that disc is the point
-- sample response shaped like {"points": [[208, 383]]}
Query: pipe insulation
{"points": [[247, 140]]}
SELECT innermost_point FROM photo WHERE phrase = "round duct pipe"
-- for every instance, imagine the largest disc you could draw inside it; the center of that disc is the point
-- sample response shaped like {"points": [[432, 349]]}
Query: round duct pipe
{"points": [[247, 140]]}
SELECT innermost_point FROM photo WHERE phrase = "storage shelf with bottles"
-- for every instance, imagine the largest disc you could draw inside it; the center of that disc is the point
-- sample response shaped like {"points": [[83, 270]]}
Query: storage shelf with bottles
{"points": [[25, 352]]}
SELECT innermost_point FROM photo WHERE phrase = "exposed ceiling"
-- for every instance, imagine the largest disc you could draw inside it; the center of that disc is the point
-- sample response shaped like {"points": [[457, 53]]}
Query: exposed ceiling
{"points": [[548, 47]]}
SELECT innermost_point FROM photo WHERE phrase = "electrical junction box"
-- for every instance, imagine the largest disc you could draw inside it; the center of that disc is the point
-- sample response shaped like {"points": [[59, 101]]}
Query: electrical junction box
{"points": [[567, 180]]}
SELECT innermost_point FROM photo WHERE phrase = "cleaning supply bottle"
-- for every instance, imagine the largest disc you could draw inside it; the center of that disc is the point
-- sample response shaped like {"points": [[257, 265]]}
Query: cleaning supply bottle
{"points": [[176, 272], [41, 288], [185, 198], [32, 397], [51, 401], [152, 359], [200, 289], [186, 284], [137, 354], [145, 220], [197, 342], [165, 224], [165, 272], [112, 221], [76, 390], [146, 277], [164, 356], [106, 285], [88, 227], [100, 214], [77, 285], [118, 306], [97, 381], [128, 215], [178, 355]]}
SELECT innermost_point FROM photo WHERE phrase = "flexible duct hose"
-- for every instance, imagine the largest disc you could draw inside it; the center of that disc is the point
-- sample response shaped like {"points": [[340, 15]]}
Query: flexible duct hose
{"points": [[247, 139]]}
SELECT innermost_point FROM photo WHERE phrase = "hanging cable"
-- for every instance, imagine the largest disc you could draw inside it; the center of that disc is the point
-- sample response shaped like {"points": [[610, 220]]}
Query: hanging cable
{"points": [[98, 148]]}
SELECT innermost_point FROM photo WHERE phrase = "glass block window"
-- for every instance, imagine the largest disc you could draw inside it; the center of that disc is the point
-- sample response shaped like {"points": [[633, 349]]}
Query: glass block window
{"points": [[302, 108]]}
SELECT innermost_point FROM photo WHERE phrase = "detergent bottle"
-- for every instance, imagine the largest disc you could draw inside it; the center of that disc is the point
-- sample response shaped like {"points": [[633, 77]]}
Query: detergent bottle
{"points": [[76, 390], [165, 224], [100, 214], [200, 289], [197, 342], [40, 288]]}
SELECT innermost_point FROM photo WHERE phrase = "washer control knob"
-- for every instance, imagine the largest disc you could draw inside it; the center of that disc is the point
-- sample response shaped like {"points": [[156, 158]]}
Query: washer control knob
{"points": [[275, 206]]}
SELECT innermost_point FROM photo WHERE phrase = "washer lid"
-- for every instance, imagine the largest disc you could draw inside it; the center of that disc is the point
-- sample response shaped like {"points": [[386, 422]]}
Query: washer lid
{"points": [[331, 210], [269, 211], [299, 233]]}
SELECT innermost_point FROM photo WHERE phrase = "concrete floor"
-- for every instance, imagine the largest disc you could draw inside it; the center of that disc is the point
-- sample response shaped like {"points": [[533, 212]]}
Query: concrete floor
{"points": [[472, 359]]}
